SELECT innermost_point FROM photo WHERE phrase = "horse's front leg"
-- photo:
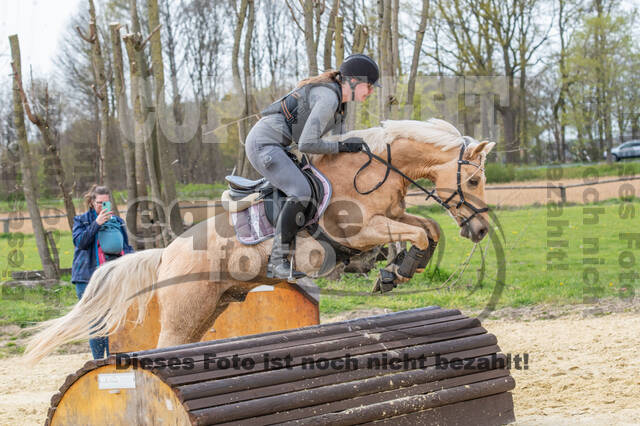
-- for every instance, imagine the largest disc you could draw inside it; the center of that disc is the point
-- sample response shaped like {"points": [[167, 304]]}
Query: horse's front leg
{"points": [[433, 231], [382, 230], [430, 226]]}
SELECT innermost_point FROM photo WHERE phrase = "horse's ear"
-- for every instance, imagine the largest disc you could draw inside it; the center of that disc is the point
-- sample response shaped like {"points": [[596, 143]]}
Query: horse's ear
{"points": [[483, 147], [489, 147], [477, 149]]}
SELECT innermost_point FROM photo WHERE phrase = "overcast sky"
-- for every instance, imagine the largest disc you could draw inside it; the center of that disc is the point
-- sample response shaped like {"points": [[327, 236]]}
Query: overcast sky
{"points": [[39, 25]]}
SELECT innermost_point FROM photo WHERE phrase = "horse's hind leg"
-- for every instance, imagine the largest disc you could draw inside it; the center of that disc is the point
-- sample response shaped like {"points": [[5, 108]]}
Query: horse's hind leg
{"points": [[188, 310]]}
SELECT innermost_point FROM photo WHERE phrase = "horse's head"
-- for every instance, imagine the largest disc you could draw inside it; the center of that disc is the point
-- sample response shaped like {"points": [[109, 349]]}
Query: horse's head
{"points": [[460, 185]]}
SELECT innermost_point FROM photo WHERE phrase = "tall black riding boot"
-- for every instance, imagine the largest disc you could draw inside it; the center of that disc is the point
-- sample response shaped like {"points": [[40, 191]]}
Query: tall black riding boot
{"points": [[291, 219]]}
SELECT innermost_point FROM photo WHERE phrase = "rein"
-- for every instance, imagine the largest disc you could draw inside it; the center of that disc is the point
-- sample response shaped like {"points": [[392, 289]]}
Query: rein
{"points": [[430, 194]]}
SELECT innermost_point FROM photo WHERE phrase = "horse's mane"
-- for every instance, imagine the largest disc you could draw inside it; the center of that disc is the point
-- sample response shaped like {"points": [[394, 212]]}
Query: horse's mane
{"points": [[434, 131]]}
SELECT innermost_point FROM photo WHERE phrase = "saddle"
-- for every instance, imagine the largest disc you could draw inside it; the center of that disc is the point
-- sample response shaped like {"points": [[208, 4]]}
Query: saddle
{"points": [[243, 194], [254, 206]]}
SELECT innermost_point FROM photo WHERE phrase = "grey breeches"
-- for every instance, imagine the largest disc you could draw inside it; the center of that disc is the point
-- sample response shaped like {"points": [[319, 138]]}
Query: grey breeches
{"points": [[267, 155]]}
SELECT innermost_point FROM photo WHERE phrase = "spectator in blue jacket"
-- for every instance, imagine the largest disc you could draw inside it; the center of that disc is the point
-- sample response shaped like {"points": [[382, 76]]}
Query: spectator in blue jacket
{"points": [[89, 229]]}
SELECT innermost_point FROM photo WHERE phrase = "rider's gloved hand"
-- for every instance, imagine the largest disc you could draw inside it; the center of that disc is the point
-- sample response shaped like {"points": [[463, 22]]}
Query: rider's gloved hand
{"points": [[351, 145]]}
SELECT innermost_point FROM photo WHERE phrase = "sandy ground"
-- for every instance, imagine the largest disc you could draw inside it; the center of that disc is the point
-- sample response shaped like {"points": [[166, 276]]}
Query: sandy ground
{"points": [[583, 369]]}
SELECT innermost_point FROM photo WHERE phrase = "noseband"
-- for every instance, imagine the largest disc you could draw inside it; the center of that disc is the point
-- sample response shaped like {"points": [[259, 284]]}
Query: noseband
{"points": [[430, 194]]}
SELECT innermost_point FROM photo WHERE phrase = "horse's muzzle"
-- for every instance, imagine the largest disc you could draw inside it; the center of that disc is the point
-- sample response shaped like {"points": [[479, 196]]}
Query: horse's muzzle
{"points": [[475, 230]]}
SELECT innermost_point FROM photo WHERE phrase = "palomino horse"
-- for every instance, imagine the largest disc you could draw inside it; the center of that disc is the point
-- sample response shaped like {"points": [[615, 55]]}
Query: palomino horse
{"points": [[202, 270]]}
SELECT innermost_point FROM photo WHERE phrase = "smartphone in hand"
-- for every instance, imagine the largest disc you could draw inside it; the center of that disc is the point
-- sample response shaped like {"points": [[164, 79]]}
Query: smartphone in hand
{"points": [[106, 206]]}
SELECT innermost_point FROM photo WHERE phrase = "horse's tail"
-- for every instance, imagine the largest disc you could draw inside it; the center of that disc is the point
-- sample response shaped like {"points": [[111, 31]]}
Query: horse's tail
{"points": [[113, 288]]}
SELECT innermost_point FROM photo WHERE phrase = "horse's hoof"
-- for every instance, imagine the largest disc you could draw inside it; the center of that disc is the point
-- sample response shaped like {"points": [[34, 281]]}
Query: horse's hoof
{"points": [[386, 282]]}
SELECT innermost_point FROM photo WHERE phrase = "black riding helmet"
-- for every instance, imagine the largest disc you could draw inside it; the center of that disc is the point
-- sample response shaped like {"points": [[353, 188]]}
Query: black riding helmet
{"points": [[361, 67]]}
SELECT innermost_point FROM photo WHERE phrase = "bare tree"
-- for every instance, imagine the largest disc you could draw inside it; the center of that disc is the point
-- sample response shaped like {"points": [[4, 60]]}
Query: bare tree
{"points": [[386, 58], [166, 172], [329, 34], [202, 31], [311, 12], [122, 106], [141, 98], [339, 40], [415, 59], [246, 12], [478, 30], [99, 88], [28, 178], [50, 138]]}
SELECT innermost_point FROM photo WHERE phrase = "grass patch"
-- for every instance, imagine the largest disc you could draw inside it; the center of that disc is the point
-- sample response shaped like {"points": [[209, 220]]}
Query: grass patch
{"points": [[538, 268], [27, 306], [19, 253]]}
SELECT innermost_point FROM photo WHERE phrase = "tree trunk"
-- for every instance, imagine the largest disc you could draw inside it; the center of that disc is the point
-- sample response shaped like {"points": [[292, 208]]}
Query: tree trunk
{"points": [[339, 41], [385, 54], [181, 147], [511, 142], [100, 90], [28, 178], [250, 107], [328, 37], [415, 60], [395, 35], [360, 38], [142, 177], [141, 98], [242, 91], [50, 138], [309, 37], [122, 107], [522, 92], [167, 176]]}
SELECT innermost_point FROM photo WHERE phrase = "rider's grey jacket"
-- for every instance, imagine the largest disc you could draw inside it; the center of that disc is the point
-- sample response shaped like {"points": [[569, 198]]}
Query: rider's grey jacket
{"points": [[323, 118], [266, 141]]}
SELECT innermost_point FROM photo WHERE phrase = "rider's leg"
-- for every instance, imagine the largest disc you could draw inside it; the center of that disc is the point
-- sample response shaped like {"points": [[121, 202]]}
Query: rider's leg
{"points": [[290, 220], [270, 160]]}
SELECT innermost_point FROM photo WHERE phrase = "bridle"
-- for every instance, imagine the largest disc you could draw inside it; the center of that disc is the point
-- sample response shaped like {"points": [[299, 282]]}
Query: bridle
{"points": [[430, 193]]}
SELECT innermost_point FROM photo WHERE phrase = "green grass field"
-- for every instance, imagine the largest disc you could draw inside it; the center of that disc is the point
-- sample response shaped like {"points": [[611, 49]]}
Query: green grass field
{"points": [[537, 269], [539, 266]]}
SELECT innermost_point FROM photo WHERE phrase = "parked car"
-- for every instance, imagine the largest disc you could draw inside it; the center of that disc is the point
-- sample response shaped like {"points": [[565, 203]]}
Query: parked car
{"points": [[628, 149]]}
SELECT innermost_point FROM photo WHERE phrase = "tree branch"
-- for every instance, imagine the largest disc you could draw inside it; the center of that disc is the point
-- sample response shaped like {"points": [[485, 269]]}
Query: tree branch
{"points": [[89, 39], [146, 40], [34, 118], [293, 15], [97, 92]]}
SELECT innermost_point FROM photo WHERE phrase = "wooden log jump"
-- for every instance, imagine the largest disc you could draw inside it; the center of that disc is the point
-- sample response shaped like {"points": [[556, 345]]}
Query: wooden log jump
{"points": [[428, 365], [267, 308]]}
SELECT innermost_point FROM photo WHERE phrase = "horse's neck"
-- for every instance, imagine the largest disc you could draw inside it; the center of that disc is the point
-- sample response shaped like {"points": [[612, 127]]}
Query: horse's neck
{"points": [[416, 160], [419, 160]]}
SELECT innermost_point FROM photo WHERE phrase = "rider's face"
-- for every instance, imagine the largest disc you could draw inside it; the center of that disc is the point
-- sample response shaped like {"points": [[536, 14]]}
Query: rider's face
{"points": [[362, 91]]}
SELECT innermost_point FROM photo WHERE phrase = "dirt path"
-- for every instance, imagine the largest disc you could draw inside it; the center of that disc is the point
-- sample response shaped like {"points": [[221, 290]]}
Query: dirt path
{"points": [[581, 371], [524, 197], [510, 197]]}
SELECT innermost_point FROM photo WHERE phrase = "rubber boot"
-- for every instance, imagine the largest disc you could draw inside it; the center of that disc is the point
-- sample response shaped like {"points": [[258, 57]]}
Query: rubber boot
{"points": [[291, 219]]}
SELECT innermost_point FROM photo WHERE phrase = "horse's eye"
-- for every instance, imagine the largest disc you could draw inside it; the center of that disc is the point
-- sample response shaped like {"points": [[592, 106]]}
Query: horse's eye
{"points": [[474, 182]]}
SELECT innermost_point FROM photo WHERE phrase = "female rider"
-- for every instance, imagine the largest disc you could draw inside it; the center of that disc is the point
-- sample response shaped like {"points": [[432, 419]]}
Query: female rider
{"points": [[304, 116]]}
